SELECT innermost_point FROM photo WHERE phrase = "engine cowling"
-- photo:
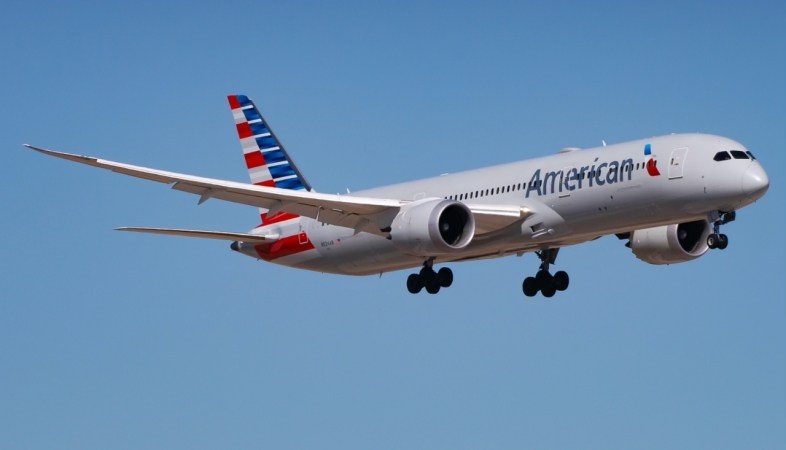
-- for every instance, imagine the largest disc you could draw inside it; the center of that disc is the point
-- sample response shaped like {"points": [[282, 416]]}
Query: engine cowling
{"points": [[433, 227], [671, 244]]}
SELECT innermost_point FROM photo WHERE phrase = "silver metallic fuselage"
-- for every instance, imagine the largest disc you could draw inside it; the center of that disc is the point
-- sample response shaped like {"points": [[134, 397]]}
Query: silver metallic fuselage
{"points": [[585, 209]]}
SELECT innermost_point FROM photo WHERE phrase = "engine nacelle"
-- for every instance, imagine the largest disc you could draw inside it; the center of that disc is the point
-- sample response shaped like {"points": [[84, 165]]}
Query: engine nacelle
{"points": [[433, 227], [671, 244]]}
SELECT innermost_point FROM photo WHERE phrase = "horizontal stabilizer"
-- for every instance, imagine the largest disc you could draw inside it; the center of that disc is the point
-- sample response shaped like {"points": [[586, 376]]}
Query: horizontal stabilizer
{"points": [[220, 235]]}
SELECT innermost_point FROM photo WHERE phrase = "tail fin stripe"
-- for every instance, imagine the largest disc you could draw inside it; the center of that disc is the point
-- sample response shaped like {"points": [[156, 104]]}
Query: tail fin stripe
{"points": [[255, 159], [289, 183], [238, 116], [249, 145], [258, 128], [280, 171], [274, 157], [244, 130], [266, 160], [266, 142], [251, 114], [260, 176]]}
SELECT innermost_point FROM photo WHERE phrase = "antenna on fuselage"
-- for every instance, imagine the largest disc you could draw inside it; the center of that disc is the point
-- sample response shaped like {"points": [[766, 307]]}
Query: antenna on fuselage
{"points": [[604, 142]]}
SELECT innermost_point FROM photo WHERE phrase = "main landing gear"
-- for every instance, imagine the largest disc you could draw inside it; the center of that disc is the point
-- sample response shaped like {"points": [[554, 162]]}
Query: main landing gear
{"points": [[543, 281], [429, 279], [717, 240]]}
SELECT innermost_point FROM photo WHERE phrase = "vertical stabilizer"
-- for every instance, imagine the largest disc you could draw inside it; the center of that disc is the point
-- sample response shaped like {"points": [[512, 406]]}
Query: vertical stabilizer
{"points": [[266, 159]]}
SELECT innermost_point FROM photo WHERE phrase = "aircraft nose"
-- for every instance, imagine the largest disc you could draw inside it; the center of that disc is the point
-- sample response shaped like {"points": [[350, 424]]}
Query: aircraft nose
{"points": [[755, 181]]}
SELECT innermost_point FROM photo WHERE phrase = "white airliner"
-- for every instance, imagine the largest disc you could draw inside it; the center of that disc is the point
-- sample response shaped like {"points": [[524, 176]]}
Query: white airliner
{"points": [[668, 196]]}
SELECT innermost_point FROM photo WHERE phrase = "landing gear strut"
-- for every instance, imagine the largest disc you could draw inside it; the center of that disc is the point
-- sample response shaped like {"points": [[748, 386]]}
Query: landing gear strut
{"points": [[429, 279], [717, 240], [544, 281]]}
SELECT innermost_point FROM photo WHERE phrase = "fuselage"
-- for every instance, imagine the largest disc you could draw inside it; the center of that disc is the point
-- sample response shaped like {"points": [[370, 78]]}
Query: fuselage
{"points": [[593, 192]]}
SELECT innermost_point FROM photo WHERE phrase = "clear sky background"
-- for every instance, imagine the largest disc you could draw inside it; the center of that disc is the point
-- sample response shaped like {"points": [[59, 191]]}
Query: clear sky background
{"points": [[114, 340]]}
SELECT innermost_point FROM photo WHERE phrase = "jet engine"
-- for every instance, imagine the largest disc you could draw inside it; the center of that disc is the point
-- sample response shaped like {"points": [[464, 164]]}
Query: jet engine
{"points": [[433, 227], [671, 244]]}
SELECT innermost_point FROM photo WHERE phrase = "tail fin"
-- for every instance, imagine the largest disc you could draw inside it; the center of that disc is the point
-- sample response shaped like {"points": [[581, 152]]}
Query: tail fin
{"points": [[267, 162]]}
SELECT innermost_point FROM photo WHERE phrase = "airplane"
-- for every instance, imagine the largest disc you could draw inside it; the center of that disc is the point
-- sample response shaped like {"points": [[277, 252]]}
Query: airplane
{"points": [[667, 196]]}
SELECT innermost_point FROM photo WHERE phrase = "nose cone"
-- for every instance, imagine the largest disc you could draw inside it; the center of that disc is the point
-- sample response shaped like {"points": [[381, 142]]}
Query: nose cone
{"points": [[755, 181]]}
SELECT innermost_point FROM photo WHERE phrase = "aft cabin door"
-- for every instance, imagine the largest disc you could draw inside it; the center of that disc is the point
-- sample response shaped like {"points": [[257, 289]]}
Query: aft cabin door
{"points": [[677, 163]]}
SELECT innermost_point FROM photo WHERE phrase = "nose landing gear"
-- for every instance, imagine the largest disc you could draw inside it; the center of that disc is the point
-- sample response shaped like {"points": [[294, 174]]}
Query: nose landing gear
{"points": [[717, 240], [544, 281], [429, 279]]}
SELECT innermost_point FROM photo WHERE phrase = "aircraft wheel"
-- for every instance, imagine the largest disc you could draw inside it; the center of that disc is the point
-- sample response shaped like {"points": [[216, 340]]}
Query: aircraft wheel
{"points": [[548, 291], [561, 280], [712, 241], [445, 277], [427, 274], [432, 287], [414, 283], [723, 241], [530, 287], [543, 278]]}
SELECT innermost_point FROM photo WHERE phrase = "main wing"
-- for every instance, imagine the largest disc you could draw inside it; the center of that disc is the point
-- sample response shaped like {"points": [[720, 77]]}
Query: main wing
{"points": [[342, 210]]}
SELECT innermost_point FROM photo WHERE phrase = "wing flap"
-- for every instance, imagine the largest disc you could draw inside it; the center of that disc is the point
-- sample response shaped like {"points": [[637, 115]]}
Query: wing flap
{"points": [[220, 235]]}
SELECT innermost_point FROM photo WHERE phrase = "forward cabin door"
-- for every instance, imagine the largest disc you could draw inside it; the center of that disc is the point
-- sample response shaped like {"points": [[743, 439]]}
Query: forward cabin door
{"points": [[677, 163]]}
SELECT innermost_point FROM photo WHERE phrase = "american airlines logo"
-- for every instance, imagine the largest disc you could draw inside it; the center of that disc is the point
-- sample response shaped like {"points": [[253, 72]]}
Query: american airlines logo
{"points": [[572, 178]]}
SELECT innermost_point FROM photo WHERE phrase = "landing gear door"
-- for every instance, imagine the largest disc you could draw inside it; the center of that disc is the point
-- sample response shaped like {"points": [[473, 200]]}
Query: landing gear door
{"points": [[677, 162], [566, 181]]}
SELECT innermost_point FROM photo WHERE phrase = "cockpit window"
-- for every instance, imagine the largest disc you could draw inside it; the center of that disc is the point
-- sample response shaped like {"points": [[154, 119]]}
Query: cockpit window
{"points": [[751, 155], [738, 154], [722, 156]]}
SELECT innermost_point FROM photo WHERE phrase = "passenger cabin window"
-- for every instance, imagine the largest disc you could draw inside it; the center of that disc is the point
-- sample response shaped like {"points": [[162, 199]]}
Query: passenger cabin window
{"points": [[722, 156], [737, 154]]}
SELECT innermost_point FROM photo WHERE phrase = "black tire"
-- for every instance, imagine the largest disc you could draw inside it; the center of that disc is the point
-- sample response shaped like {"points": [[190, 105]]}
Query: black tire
{"points": [[548, 291], [427, 274], [414, 283], [561, 280], [530, 287], [445, 277], [712, 241], [723, 241], [432, 287], [544, 278]]}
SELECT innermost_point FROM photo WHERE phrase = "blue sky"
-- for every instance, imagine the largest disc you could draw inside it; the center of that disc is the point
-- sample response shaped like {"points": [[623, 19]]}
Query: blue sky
{"points": [[127, 341]]}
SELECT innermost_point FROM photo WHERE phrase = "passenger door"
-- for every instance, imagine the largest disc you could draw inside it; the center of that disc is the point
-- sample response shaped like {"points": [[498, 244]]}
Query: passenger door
{"points": [[677, 162]]}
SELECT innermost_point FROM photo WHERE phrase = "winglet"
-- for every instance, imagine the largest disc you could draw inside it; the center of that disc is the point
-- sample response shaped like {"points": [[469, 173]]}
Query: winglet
{"points": [[69, 156]]}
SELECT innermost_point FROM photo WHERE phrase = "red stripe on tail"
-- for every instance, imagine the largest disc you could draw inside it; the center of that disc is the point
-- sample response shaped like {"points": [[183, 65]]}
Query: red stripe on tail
{"points": [[255, 159], [244, 130]]}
